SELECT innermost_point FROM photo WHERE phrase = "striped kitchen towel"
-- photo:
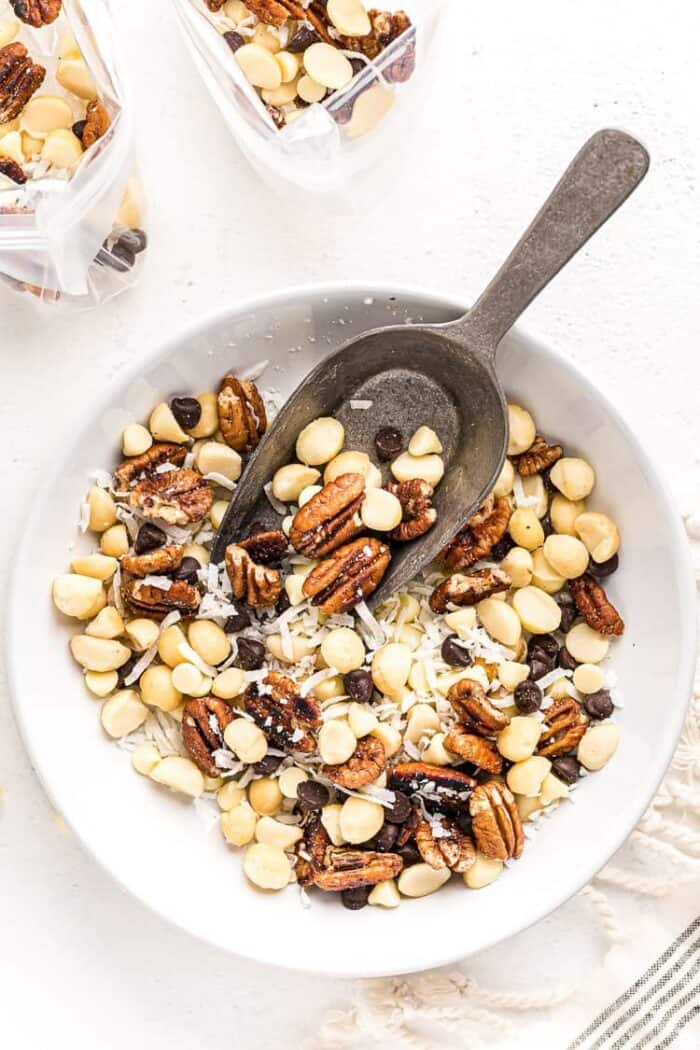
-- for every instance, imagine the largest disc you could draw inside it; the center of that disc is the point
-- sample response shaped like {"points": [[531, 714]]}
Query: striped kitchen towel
{"points": [[657, 1007]]}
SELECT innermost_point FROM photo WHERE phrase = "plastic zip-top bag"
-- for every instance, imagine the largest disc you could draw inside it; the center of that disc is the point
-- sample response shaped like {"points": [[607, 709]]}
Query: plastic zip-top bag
{"points": [[71, 207], [318, 93]]}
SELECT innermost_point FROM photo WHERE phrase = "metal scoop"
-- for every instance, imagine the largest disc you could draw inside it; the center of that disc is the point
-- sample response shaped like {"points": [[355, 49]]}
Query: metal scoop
{"points": [[444, 375]]}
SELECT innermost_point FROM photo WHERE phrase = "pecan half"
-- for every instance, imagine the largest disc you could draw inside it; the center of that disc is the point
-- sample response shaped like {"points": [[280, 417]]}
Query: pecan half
{"points": [[163, 560], [265, 548], [442, 844], [203, 724], [313, 13], [346, 869], [11, 169], [288, 719], [257, 585], [478, 536], [178, 496], [269, 11], [385, 29], [365, 764], [19, 79], [419, 514], [143, 597], [97, 121], [145, 464], [448, 788], [496, 821], [37, 12], [330, 518], [215, 5], [595, 606], [540, 456], [565, 722], [349, 576], [474, 709], [242, 416], [474, 749], [460, 589]]}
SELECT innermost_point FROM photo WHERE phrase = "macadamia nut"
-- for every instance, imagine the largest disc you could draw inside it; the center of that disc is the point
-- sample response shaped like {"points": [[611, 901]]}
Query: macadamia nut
{"points": [[319, 441]]}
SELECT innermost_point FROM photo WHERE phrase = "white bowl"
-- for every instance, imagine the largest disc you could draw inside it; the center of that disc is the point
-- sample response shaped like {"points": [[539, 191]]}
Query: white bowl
{"points": [[156, 845]]}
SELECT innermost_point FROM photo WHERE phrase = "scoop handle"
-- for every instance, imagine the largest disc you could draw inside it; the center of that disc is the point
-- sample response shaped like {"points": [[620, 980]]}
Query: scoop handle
{"points": [[601, 176]]}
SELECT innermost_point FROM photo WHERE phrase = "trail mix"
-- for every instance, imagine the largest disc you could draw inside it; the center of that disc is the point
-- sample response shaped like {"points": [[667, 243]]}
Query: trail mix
{"points": [[372, 755], [297, 52], [51, 116]]}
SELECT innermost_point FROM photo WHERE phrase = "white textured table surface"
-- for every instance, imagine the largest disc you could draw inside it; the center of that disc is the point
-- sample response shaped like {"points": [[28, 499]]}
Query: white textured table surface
{"points": [[520, 88]]}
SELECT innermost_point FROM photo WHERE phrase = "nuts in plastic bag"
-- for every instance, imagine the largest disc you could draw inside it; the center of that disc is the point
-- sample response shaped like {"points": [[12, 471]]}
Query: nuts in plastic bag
{"points": [[71, 206], [316, 92]]}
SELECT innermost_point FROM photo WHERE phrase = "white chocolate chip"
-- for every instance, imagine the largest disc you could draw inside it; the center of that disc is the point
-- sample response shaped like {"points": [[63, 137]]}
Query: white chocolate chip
{"points": [[45, 113], [586, 645], [588, 678], [349, 17], [259, 66], [369, 110], [289, 64], [309, 90], [327, 65], [61, 149], [9, 28]]}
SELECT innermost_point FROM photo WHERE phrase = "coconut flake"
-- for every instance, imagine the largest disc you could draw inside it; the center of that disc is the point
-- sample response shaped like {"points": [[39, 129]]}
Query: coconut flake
{"points": [[553, 676], [310, 684], [373, 626], [255, 371], [276, 504], [150, 654], [192, 657], [360, 404], [521, 498], [161, 583], [220, 479], [102, 478], [84, 519]]}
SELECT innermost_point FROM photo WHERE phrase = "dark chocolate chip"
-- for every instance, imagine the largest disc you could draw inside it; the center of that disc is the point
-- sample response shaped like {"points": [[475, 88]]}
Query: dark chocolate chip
{"points": [[357, 65], [123, 252], [500, 549], [566, 768], [547, 526], [540, 665], [388, 442], [303, 38], [234, 40], [598, 704], [267, 765], [135, 240], [187, 570], [283, 603], [238, 622], [359, 685], [566, 660], [464, 822], [355, 898], [604, 568], [251, 654], [528, 697], [109, 257], [543, 644], [149, 538], [400, 810], [79, 128], [569, 612], [125, 670], [409, 854], [187, 411], [386, 837], [454, 652], [313, 795]]}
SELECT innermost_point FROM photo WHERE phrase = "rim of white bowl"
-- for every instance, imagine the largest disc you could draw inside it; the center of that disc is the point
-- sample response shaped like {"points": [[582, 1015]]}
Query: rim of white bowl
{"points": [[682, 562]]}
